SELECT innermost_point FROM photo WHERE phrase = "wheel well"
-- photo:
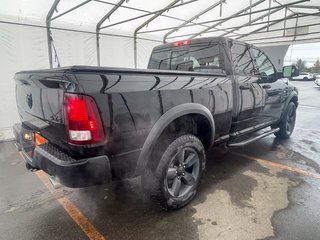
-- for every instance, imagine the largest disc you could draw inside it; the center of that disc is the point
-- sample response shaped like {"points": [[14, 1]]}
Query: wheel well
{"points": [[195, 124], [294, 99]]}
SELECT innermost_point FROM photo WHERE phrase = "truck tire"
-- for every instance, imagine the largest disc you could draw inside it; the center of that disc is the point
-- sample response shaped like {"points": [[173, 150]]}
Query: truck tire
{"points": [[287, 122], [174, 182]]}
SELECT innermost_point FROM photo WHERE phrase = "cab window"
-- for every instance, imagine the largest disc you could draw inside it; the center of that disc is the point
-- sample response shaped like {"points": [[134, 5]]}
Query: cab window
{"points": [[242, 59], [197, 57], [263, 64]]}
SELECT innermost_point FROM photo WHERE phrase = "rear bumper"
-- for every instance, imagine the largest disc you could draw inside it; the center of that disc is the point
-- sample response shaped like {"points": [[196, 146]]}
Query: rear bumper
{"points": [[68, 171]]}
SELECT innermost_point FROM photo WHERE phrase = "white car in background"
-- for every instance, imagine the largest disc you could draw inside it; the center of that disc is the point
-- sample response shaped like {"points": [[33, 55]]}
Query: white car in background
{"points": [[304, 76]]}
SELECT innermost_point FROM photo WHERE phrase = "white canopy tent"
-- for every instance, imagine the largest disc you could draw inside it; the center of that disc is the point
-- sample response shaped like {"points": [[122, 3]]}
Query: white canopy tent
{"points": [[38, 34]]}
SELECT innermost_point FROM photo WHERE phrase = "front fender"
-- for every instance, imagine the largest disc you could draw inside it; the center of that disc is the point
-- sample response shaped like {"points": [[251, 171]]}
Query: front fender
{"points": [[163, 122], [293, 96]]}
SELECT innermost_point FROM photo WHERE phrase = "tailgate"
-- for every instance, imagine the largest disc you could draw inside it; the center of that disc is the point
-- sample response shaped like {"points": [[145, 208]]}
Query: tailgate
{"points": [[39, 98]]}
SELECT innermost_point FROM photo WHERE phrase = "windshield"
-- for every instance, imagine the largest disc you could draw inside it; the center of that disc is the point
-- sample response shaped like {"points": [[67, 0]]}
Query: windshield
{"points": [[195, 57]]}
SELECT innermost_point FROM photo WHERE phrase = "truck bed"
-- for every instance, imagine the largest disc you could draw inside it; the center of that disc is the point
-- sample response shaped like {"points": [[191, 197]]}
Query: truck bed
{"points": [[130, 102]]}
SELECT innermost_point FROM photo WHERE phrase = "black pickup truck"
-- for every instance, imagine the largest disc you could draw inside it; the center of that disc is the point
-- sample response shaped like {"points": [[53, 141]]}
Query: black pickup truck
{"points": [[88, 125]]}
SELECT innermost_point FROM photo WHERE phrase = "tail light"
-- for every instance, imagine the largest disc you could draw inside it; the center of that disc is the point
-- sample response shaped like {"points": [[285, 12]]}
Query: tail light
{"points": [[82, 119]]}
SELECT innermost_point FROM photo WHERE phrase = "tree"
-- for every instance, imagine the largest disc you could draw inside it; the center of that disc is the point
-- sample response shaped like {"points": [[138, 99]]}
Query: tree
{"points": [[316, 66], [301, 65]]}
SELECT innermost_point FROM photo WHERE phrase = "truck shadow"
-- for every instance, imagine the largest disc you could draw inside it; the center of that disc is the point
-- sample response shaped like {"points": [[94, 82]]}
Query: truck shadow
{"points": [[120, 210]]}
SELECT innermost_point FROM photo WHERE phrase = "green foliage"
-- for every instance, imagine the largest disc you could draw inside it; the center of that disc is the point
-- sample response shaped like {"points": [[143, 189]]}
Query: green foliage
{"points": [[316, 67], [301, 65]]}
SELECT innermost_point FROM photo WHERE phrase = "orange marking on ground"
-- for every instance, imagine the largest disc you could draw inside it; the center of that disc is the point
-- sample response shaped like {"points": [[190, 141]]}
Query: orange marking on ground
{"points": [[279, 165], [76, 215]]}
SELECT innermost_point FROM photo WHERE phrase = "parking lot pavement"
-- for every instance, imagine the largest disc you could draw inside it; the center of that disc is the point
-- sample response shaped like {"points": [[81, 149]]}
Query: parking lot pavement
{"points": [[269, 189]]}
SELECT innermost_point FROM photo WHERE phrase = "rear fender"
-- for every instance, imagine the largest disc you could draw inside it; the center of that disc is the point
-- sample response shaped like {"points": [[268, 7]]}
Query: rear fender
{"points": [[163, 122]]}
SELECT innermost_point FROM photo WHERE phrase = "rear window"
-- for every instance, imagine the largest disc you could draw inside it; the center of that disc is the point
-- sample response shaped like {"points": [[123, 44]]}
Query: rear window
{"points": [[195, 57]]}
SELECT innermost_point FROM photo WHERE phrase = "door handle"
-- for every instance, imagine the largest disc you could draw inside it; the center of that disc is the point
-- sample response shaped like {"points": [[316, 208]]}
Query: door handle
{"points": [[266, 86], [245, 86]]}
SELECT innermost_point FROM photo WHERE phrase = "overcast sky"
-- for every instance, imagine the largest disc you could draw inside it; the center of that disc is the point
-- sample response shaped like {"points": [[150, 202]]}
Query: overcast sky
{"points": [[308, 52]]}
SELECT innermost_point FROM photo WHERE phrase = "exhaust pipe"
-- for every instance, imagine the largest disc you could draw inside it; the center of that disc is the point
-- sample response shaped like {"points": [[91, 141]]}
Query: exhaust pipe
{"points": [[55, 183]]}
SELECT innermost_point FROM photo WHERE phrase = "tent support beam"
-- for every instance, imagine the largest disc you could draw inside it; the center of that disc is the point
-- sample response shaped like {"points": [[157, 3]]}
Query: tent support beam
{"points": [[295, 29], [259, 29], [275, 37], [288, 41], [250, 11], [143, 25], [226, 19], [292, 16], [307, 7], [281, 29], [272, 21], [222, 19], [71, 9], [254, 24], [145, 11], [285, 21], [269, 15], [98, 27], [192, 19], [148, 14], [252, 21], [48, 25]]}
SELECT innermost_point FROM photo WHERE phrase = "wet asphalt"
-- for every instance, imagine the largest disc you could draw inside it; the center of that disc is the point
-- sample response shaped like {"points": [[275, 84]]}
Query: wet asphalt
{"points": [[239, 198]]}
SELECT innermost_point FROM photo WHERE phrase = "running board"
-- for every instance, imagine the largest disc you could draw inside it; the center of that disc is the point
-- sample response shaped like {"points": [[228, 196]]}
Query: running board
{"points": [[250, 140]]}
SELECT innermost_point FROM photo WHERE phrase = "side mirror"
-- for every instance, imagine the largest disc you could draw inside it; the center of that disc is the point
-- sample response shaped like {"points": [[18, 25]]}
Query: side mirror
{"points": [[290, 71]]}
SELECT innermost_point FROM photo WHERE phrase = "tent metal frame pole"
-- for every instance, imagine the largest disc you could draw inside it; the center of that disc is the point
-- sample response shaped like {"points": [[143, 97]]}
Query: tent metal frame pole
{"points": [[281, 29], [192, 19], [272, 21], [295, 16], [254, 24], [48, 25], [228, 18], [307, 7], [288, 41], [71, 9], [145, 11], [285, 21], [143, 25], [252, 21], [269, 14], [288, 7], [295, 29], [250, 15], [259, 29], [98, 27], [297, 35], [148, 14]]}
